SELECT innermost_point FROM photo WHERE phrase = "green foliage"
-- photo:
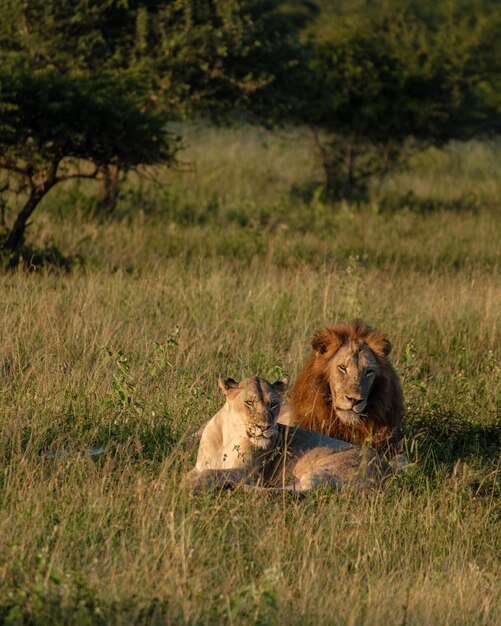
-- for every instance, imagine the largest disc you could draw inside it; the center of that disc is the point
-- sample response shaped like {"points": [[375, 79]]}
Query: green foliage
{"points": [[54, 116], [61, 117], [58, 122], [124, 387], [215, 58], [196, 56], [376, 80], [388, 76], [97, 82]]}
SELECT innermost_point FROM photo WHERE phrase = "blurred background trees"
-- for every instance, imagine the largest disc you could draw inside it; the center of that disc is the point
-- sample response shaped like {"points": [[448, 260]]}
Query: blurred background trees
{"points": [[387, 78], [98, 82], [91, 88]]}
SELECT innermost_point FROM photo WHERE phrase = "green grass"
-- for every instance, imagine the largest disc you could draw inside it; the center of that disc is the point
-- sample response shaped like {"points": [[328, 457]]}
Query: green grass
{"points": [[230, 269]]}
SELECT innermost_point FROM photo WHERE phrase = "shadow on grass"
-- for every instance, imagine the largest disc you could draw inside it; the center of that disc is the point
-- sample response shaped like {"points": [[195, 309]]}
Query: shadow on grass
{"points": [[393, 203], [45, 600], [33, 259], [441, 440], [452, 436]]}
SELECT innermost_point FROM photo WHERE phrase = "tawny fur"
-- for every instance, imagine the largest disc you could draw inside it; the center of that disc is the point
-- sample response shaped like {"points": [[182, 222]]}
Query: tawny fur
{"points": [[313, 401], [232, 453]]}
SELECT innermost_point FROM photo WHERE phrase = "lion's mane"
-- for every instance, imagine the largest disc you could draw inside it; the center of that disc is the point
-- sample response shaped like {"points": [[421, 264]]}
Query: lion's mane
{"points": [[312, 403]]}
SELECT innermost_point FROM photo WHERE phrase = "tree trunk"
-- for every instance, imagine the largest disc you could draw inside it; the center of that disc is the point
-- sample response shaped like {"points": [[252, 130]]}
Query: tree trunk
{"points": [[348, 171], [109, 188], [16, 234], [3, 202], [338, 158], [322, 151]]}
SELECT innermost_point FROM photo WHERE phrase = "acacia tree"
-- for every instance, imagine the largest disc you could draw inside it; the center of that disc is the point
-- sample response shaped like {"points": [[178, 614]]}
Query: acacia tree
{"points": [[61, 126], [137, 66], [386, 76]]}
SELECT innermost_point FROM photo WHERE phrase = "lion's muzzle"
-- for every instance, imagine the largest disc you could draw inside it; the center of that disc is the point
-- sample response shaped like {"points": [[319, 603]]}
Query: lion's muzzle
{"points": [[349, 417]]}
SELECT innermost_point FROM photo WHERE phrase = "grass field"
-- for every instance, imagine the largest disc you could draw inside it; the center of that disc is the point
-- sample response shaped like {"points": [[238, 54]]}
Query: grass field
{"points": [[230, 267]]}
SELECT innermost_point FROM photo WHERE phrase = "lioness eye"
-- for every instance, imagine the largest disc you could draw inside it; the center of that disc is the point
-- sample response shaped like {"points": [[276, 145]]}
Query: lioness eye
{"points": [[249, 402], [342, 369]]}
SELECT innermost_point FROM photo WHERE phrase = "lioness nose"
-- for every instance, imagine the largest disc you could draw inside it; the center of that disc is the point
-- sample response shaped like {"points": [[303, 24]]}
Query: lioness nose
{"points": [[259, 429]]}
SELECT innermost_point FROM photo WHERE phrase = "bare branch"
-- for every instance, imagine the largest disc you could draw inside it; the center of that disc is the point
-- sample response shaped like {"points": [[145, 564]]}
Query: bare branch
{"points": [[78, 175], [12, 167], [52, 178]]}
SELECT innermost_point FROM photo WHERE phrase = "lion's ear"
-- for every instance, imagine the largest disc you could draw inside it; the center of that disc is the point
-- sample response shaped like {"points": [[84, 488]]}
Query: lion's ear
{"points": [[282, 384], [226, 384], [386, 347], [324, 340], [380, 345]]}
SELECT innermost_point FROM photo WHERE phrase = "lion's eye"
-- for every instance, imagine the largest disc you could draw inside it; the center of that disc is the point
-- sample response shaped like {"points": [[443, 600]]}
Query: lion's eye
{"points": [[249, 402], [370, 373], [342, 369]]}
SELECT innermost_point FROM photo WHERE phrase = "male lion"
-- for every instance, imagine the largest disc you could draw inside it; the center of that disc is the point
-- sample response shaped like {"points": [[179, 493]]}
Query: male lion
{"points": [[348, 389], [243, 444]]}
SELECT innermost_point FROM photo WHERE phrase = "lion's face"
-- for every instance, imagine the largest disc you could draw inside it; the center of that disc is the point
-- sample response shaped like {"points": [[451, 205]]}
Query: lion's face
{"points": [[352, 372], [256, 403], [351, 366]]}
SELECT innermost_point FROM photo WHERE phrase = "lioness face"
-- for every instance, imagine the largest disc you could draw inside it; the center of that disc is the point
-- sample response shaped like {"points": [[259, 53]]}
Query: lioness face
{"points": [[256, 402], [353, 370]]}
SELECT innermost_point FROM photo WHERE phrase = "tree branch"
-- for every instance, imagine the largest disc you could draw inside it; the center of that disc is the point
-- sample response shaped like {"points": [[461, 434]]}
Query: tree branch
{"points": [[12, 167], [79, 175]]}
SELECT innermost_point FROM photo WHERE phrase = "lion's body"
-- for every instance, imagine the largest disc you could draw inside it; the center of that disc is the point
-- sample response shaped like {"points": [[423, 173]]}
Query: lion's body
{"points": [[348, 389], [289, 458]]}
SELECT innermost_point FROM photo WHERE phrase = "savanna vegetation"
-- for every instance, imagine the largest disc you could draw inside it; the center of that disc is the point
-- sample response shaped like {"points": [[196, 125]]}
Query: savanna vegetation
{"points": [[122, 302], [234, 275]]}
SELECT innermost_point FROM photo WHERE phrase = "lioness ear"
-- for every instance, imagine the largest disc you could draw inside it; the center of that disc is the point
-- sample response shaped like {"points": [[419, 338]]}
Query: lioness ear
{"points": [[226, 384], [282, 384], [325, 339]]}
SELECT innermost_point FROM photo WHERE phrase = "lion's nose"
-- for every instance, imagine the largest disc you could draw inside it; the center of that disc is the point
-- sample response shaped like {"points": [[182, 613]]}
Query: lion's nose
{"points": [[354, 399]]}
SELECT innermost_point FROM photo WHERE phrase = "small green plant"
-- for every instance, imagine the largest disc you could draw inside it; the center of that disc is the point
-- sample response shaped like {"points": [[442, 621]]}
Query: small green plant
{"points": [[276, 372], [257, 602], [351, 281], [161, 358], [411, 369], [124, 395]]}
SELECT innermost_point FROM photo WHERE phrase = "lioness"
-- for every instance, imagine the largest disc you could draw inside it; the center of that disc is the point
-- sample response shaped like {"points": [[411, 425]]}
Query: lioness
{"points": [[243, 444]]}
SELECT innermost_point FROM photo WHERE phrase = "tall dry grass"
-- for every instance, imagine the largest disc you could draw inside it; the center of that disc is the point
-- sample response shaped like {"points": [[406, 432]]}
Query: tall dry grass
{"points": [[124, 352]]}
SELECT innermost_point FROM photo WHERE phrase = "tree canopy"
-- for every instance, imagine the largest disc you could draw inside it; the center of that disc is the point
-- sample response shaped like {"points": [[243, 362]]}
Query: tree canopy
{"points": [[384, 73], [87, 86], [98, 82]]}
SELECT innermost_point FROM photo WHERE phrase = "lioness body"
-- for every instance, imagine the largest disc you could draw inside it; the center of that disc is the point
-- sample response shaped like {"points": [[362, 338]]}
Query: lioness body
{"points": [[230, 453], [224, 443]]}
